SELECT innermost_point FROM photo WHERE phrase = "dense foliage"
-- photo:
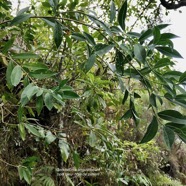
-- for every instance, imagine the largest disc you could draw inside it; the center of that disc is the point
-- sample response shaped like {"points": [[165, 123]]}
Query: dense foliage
{"points": [[85, 100]]}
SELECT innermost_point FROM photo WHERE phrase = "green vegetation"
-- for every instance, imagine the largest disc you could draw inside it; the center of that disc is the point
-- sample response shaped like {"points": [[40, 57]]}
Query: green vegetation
{"points": [[87, 100]]}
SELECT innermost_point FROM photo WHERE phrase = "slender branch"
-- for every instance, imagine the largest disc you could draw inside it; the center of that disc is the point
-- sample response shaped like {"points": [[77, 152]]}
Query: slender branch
{"points": [[9, 164], [4, 22]]}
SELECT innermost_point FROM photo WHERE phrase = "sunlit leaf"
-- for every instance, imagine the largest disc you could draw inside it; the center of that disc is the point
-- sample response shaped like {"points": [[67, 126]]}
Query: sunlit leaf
{"points": [[64, 149], [50, 137], [35, 66], [32, 129], [23, 11], [42, 74], [48, 100], [20, 18], [16, 75]]}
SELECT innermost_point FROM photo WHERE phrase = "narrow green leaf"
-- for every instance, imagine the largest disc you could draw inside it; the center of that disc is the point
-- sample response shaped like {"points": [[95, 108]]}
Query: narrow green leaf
{"points": [[20, 114], [101, 49], [50, 137], [25, 56], [136, 96], [146, 83], [156, 34], [35, 66], [39, 104], [58, 98], [169, 52], [165, 42], [122, 15], [134, 34], [152, 100], [164, 62], [125, 97], [172, 115], [70, 95], [24, 99], [9, 69], [78, 36], [162, 26], [58, 34], [64, 148], [29, 91], [168, 36], [23, 11], [127, 115], [48, 100], [16, 75], [145, 71], [115, 29], [27, 175], [145, 35], [32, 91], [42, 74], [76, 159], [182, 78], [176, 100], [112, 11], [169, 136], [62, 83], [90, 62], [22, 131], [151, 131], [140, 53], [89, 38], [49, 21], [179, 129], [20, 18], [92, 140], [32, 129], [20, 171], [120, 62], [101, 24]]}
